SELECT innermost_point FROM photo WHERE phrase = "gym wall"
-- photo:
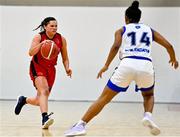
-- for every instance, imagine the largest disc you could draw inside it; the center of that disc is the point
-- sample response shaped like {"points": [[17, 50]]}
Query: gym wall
{"points": [[89, 32]]}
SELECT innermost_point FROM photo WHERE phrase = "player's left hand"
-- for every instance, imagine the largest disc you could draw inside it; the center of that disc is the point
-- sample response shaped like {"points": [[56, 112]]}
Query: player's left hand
{"points": [[174, 64], [69, 72]]}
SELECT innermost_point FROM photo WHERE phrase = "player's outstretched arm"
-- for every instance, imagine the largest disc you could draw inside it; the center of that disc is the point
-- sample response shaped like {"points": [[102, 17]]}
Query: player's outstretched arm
{"points": [[113, 51], [163, 42]]}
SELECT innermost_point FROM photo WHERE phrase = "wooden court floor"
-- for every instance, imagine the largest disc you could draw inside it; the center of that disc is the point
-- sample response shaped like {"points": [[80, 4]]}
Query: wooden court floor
{"points": [[117, 119]]}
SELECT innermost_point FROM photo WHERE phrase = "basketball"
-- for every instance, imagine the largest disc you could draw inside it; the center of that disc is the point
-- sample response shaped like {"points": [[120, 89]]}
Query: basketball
{"points": [[49, 50]]}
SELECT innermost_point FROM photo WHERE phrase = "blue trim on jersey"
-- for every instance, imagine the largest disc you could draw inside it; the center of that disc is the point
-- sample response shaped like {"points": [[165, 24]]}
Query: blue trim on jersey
{"points": [[138, 57], [124, 29], [143, 89], [115, 87], [152, 34]]}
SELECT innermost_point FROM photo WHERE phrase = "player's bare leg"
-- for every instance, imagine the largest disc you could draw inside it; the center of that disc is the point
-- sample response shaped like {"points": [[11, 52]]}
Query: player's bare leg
{"points": [[33, 100], [106, 96], [43, 92], [148, 97], [79, 128]]}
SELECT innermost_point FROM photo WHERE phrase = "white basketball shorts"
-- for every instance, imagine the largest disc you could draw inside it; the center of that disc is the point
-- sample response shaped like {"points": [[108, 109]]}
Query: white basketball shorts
{"points": [[140, 71]]}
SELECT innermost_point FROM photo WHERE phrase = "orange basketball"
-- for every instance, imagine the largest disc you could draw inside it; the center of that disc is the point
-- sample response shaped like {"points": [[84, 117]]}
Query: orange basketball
{"points": [[49, 50]]}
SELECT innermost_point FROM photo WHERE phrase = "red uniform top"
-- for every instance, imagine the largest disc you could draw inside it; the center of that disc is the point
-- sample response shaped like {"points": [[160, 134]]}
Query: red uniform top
{"points": [[38, 58]]}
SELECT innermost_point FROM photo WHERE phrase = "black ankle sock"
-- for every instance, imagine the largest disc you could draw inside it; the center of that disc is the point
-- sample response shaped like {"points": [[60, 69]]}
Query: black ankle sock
{"points": [[44, 114], [25, 100]]}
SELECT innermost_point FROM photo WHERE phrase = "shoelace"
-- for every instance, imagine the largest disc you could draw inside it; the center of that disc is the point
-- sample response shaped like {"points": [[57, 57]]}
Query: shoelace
{"points": [[78, 126]]}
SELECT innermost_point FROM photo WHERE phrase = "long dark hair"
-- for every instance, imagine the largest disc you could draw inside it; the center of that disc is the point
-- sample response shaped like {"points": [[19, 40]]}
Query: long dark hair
{"points": [[133, 12], [44, 23]]}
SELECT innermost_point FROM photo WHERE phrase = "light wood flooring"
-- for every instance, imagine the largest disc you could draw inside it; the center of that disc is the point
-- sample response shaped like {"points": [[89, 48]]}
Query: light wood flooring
{"points": [[116, 119]]}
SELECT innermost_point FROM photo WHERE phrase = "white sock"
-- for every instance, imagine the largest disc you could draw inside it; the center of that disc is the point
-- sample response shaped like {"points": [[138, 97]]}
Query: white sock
{"points": [[81, 122], [148, 115]]}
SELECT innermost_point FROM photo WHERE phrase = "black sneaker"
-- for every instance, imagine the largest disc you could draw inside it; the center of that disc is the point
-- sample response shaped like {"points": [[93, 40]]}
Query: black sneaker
{"points": [[47, 121], [21, 101]]}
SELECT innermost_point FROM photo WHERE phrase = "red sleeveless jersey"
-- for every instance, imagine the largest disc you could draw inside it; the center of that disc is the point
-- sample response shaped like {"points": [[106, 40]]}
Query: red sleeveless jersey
{"points": [[38, 58]]}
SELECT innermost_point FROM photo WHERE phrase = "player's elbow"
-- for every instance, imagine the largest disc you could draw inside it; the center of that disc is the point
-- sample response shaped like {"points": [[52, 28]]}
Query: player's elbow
{"points": [[30, 53], [169, 47]]}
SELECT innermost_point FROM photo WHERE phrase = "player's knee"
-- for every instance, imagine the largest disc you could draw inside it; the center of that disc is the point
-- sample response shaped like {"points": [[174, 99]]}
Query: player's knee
{"points": [[37, 103], [44, 92]]}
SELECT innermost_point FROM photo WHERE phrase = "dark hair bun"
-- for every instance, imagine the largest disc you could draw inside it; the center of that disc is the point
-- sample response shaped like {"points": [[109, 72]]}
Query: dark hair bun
{"points": [[135, 4]]}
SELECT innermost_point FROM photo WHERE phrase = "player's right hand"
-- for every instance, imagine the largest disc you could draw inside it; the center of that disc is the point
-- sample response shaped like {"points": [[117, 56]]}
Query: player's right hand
{"points": [[105, 68]]}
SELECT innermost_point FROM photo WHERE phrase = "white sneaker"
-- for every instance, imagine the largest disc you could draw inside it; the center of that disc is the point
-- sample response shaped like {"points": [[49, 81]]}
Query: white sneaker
{"points": [[150, 124], [76, 130]]}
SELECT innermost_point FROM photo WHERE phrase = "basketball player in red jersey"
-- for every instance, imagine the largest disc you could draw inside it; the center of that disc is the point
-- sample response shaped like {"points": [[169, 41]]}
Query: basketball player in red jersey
{"points": [[42, 71]]}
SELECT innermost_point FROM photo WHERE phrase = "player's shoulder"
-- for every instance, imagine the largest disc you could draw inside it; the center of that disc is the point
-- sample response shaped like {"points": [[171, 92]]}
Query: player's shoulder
{"points": [[119, 31], [58, 34], [62, 38], [37, 36]]}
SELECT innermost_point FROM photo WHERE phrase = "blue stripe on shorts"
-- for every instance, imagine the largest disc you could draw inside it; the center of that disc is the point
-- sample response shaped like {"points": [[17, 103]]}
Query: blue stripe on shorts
{"points": [[116, 88], [144, 89]]}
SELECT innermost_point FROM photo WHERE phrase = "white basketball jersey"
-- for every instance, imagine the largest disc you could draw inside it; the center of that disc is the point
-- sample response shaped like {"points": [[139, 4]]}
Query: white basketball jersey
{"points": [[136, 41]]}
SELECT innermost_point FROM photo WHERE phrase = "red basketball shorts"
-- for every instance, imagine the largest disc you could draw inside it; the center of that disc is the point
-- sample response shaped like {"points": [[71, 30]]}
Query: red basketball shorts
{"points": [[38, 70]]}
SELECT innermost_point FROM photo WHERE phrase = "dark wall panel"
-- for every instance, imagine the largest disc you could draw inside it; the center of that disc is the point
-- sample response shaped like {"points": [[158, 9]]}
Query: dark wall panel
{"points": [[93, 3]]}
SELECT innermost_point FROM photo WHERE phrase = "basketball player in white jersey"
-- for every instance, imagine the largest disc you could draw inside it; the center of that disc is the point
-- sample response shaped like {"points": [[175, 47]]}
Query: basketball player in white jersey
{"points": [[134, 41]]}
